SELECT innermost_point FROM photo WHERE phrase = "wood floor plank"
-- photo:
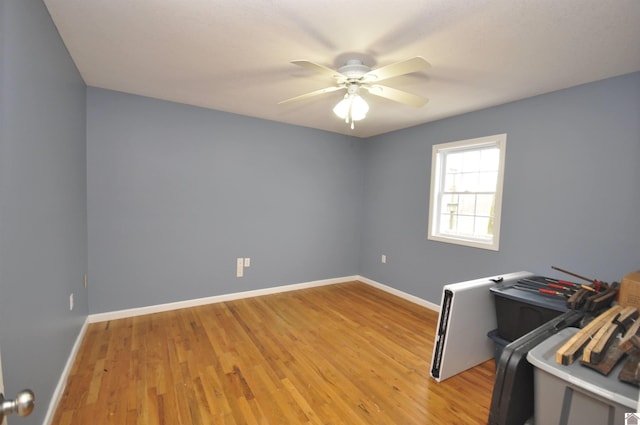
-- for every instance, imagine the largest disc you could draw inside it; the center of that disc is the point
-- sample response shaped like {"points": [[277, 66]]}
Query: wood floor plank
{"points": [[339, 354]]}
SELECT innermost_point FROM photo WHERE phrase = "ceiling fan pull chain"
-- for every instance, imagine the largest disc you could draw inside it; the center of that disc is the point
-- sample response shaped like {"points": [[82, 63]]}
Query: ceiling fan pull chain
{"points": [[350, 115]]}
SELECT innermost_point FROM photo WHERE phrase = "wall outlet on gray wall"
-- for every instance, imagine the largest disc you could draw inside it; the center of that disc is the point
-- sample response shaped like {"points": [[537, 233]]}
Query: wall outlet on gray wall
{"points": [[239, 267]]}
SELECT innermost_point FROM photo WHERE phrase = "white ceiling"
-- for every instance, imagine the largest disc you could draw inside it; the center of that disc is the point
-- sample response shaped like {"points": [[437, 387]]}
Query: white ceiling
{"points": [[233, 55]]}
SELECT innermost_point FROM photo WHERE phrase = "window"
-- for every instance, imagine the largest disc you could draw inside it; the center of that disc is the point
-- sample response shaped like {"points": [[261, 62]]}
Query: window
{"points": [[466, 191]]}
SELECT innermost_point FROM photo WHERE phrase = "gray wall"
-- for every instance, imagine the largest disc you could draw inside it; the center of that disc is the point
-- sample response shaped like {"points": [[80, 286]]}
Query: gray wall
{"points": [[176, 193], [571, 191], [43, 232]]}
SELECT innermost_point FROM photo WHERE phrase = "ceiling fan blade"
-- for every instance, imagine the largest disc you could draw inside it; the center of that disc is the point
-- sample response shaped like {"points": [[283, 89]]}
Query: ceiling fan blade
{"points": [[311, 94], [396, 69], [318, 68], [397, 95]]}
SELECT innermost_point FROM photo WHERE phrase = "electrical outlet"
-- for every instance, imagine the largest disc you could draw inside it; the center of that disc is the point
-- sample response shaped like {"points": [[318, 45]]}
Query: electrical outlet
{"points": [[383, 259], [247, 262], [71, 302], [239, 267]]}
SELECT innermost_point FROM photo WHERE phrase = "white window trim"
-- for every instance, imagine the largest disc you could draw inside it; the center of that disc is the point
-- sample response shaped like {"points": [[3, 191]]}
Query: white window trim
{"points": [[499, 140]]}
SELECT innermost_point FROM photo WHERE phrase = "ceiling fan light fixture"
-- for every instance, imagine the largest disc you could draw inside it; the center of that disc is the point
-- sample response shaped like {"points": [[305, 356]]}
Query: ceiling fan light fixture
{"points": [[352, 108]]}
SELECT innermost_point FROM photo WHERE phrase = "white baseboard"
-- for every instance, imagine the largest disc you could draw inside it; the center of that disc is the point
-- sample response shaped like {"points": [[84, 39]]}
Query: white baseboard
{"points": [[159, 308], [401, 294], [121, 314], [62, 382]]}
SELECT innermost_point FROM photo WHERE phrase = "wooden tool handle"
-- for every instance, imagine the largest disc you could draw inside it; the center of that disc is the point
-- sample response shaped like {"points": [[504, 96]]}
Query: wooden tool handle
{"points": [[571, 349], [596, 348]]}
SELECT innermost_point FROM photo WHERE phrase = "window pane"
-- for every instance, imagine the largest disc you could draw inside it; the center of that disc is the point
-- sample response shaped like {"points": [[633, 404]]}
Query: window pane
{"points": [[471, 160], [465, 225], [449, 204], [487, 181], [490, 159], [453, 162], [451, 182], [484, 205], [448, 223], [469, 182], [484, 227], [467, 204]]}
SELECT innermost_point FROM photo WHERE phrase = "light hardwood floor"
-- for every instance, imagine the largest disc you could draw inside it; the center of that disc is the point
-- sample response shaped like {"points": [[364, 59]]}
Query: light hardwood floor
{"points": [[339, 354]]}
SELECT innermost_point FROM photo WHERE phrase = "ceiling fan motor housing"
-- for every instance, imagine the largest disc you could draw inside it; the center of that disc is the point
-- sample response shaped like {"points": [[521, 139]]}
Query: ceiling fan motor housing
{"points": [[354, 68]]}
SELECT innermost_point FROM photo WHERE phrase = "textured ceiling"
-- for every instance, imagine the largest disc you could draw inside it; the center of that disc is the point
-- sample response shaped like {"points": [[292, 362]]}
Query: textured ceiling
{"points": [[234, 55]]}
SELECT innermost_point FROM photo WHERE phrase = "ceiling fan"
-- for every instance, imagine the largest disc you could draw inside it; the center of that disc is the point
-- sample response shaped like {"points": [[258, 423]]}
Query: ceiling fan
{"points": [[355, 75]]}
